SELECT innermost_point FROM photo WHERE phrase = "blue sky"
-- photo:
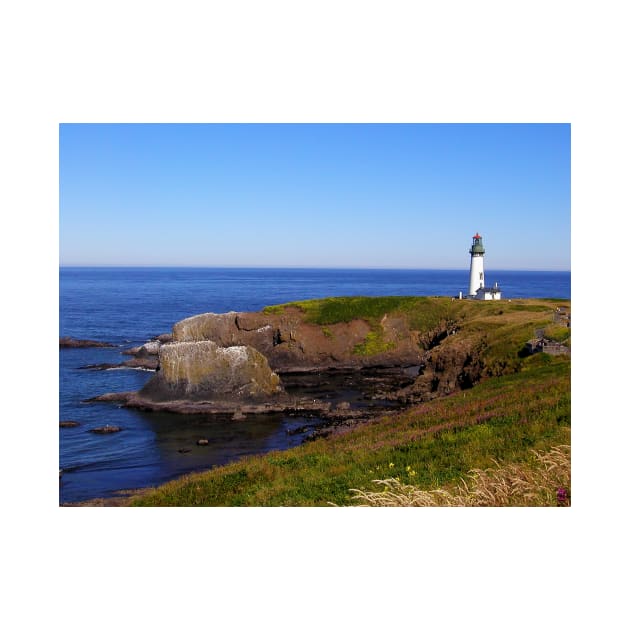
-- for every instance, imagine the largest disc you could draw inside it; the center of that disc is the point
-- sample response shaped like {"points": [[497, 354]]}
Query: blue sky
{"points": [[315, 195]]}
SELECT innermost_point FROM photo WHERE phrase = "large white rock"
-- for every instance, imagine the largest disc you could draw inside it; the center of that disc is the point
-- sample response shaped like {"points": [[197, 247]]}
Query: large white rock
{"points": [[202, 370]]}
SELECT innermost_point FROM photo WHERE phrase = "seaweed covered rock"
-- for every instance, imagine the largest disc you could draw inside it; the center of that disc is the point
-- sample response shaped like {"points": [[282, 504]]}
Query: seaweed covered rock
{"points": [[201, 370]]}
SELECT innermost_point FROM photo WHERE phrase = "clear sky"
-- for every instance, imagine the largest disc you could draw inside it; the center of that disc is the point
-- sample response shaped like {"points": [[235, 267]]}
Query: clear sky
{"points": [[315, 195]]}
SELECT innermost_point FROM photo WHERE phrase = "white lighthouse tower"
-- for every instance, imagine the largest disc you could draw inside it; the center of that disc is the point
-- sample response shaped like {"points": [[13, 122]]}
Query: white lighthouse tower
{"points": [[476, 266]]}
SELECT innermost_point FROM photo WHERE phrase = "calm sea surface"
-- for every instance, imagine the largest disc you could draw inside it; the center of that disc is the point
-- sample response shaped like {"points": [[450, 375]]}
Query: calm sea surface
{"points": [[128, 306]]}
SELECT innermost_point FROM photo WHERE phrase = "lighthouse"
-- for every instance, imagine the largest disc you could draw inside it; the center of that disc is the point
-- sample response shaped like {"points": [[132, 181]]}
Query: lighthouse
{"points": [[476, 266], [477, 287]]}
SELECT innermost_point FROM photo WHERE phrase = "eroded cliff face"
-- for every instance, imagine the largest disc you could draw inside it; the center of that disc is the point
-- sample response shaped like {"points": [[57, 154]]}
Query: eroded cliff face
{"points": [[447, 367], [446, 362], [201, 370], [291, 344]]}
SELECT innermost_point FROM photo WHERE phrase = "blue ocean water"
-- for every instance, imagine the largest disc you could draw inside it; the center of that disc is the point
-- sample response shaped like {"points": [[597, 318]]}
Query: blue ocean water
{"points": [[129, 306]]}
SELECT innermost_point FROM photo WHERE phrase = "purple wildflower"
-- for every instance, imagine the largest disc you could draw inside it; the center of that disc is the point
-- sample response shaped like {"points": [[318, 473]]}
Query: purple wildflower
{"points": [[562, 496]]}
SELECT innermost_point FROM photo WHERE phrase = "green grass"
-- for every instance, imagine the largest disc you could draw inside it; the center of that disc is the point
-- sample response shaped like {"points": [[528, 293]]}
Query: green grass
{"points": [[336, 310], [558, 332], [502, 418], [374, 343], [506, 323], [422, 313]]}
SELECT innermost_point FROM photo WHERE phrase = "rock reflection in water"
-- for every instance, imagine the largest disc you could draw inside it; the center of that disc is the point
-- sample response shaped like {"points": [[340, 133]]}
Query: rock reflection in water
{"points": [[177, 437], [227, 439]]}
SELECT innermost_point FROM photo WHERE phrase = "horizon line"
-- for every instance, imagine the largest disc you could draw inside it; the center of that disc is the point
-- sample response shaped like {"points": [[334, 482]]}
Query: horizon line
{"points": [[466, 269]]}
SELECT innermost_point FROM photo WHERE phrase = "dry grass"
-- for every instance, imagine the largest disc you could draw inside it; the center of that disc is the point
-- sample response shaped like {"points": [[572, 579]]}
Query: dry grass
{"points": [[546, 481]]}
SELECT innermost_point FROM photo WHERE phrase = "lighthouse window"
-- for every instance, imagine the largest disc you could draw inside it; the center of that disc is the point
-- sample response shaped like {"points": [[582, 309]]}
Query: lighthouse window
{"points": [[481, 275]]}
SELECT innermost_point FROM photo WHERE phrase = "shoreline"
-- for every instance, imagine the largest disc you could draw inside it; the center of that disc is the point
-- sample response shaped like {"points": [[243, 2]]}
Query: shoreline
{"points": [[339, 426], [450, 348]]}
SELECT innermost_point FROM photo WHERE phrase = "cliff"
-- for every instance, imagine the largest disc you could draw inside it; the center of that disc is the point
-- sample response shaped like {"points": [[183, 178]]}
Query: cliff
{"points": [[233, 361], [292, 343]]}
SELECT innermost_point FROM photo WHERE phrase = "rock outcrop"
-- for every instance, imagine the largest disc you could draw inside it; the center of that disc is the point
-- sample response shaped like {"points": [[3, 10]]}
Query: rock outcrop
{"points": [[68, 424], [70, 342], [446, 368], [144, 356], [151, 348], [201, 370], [292, 344], [108, 428]]}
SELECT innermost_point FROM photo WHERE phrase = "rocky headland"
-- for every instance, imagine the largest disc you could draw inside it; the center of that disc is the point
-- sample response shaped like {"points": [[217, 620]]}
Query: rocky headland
{"points": [[239, 363]]}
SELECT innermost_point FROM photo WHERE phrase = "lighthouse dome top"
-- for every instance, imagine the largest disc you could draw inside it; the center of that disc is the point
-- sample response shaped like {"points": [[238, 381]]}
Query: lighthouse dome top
{"points": [[477, 245]]}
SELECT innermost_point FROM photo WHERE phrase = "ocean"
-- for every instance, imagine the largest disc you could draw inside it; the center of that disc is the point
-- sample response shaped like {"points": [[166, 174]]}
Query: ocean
{"points": [[129, 306]]}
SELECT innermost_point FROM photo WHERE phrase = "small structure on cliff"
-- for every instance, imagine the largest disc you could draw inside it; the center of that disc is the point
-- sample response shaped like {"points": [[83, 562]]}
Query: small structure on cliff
{"points": [[540, 344], [476, 286]]}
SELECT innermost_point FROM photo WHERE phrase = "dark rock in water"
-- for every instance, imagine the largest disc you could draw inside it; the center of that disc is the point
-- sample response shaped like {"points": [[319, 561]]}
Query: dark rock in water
{"points": [[110, 397], [183, 450], [202, 442], [66, 424], [302, 429], [147, 363], [69, 342], [108, 428], [98, 366]]}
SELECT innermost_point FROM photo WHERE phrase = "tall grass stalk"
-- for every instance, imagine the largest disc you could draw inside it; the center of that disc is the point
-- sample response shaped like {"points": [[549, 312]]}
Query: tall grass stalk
{"points": [[544, 482]]}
